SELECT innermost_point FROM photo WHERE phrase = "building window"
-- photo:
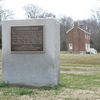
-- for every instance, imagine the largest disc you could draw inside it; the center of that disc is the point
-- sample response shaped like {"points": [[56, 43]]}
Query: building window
{"points": [[87, 46], [70, 46]]}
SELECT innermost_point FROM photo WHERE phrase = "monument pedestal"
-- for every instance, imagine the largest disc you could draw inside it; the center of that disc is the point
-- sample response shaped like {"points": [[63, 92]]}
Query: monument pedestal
{"points": [[31, 51]]}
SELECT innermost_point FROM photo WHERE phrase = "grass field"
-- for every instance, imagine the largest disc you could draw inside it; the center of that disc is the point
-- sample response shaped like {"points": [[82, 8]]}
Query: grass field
{"points": [[80, 60], [79, 80]]}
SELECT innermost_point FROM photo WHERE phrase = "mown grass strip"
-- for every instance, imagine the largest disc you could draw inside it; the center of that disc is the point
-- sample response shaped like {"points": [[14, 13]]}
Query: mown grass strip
{"points": [[80, 81]]}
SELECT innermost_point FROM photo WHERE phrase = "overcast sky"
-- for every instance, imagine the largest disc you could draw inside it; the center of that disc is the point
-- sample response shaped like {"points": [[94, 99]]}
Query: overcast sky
{"points": [[77, 9]]}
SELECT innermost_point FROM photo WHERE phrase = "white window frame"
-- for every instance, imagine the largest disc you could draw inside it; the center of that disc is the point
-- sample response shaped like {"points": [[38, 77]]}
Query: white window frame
{"points": [[70, 45]]}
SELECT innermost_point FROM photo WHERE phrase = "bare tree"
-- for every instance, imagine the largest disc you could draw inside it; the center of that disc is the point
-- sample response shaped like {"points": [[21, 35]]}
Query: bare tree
{"points": [[4, 14], [7, 14], [96, 36], [47, 15], [65, 24], [33, 11]]}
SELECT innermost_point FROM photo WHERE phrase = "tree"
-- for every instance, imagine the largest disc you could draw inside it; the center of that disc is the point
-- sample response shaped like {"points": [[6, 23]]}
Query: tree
{"points": [[47, 15], [4, 15], [65, 24], [33, 11], [96, 36]]}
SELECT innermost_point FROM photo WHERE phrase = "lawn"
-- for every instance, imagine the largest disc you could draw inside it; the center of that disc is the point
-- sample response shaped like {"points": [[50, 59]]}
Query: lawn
{"points": [[80, 59], [79, 80]]}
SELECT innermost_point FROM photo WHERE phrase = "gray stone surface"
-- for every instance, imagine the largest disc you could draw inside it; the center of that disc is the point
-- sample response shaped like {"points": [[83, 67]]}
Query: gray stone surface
{"points": [[32, 69]]}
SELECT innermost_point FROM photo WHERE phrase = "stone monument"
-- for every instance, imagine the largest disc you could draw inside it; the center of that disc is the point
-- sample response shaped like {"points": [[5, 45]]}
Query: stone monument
{"points": [[31, 51]]}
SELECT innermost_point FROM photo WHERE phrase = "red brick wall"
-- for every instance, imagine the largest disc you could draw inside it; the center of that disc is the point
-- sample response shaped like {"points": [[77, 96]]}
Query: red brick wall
{"points": [[77, 37]]}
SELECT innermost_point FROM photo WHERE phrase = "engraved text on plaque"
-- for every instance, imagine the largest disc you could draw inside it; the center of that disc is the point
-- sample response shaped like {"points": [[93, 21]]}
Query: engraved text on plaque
{"points": [[27, 38]]}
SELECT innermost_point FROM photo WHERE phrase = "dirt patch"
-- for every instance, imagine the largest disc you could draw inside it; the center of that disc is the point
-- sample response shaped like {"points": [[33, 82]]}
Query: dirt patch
{"points": [[79, 94], [69, 94]]}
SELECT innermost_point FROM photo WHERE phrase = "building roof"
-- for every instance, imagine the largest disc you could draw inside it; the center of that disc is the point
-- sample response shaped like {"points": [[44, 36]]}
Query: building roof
{"points": [[78, 28]]}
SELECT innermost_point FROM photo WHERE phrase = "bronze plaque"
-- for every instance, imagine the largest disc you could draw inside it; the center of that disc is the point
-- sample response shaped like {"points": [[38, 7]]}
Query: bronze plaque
{"points": [[27, 38]]}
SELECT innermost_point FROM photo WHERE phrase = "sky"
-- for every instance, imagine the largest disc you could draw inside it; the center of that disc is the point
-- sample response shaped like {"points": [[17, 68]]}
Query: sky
{"points": [[76, 9]]}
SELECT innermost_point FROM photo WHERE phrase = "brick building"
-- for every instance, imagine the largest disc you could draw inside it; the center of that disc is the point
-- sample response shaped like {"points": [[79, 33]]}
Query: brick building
{"points": [[78, 40]]}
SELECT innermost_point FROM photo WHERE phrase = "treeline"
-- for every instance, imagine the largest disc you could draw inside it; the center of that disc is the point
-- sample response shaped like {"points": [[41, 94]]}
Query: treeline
{"points": [[91, 25], [4, 15]]}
